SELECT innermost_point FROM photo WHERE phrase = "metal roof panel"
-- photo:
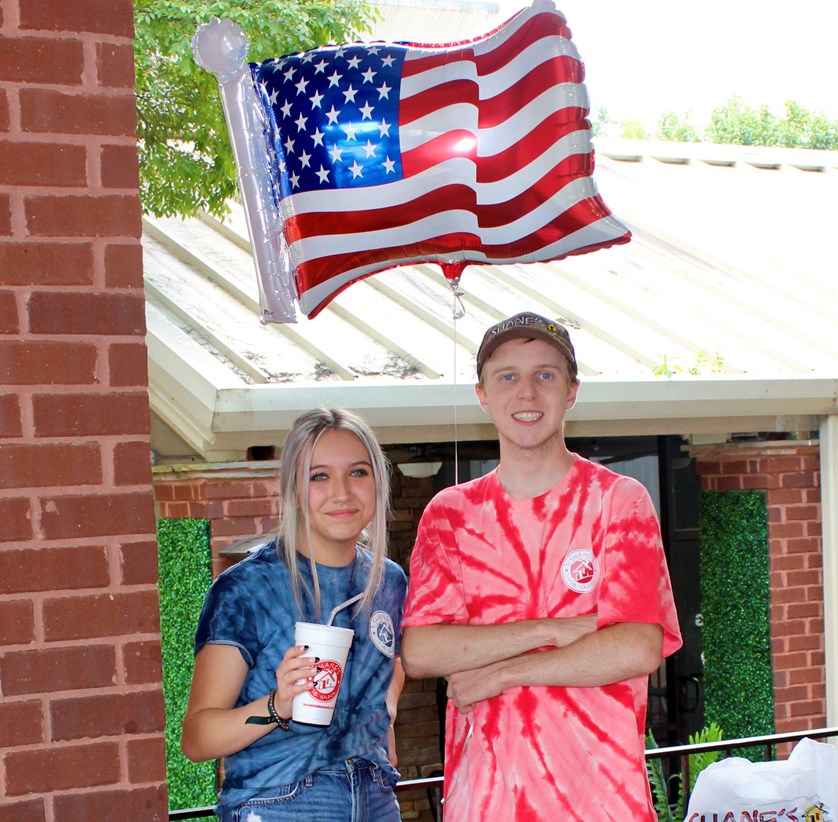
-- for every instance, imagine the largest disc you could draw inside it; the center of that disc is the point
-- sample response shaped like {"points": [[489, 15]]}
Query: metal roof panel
{"points": [[731, 265]]}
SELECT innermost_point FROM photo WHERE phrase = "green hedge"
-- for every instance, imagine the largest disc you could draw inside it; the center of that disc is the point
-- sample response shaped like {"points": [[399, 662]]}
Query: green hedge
{"points": [[735, 602], [185, 576]]}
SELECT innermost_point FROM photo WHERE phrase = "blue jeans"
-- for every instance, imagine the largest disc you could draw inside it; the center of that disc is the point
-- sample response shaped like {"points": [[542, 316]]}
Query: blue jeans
{"points": [[355, 792]]}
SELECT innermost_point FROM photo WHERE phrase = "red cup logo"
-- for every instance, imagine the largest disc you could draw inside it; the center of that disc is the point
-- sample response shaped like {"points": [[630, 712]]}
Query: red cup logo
{"points": [[326, 680]]}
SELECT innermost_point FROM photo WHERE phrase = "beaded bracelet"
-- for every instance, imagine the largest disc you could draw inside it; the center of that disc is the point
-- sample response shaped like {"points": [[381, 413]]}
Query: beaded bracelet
{"points": [[272, 717]]}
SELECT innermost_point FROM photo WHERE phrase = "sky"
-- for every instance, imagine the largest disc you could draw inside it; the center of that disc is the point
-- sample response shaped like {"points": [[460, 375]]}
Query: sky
{"points": [[650, 56]]}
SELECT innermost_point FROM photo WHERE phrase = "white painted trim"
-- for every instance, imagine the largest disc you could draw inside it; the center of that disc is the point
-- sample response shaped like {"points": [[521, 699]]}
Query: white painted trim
{"points": [[217, 416], [829, 518]]}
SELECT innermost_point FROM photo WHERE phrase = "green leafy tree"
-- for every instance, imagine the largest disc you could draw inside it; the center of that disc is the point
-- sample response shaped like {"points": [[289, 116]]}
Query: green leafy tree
{"points": [[803, 129], [186, 162], [603, 123], [794, 129], [738, 123], [681, 130], [634, 130], [822, 133]]}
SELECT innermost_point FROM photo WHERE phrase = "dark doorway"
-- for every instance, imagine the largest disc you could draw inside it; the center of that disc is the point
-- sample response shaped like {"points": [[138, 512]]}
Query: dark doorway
{"points": [[681, 538], [662, 464]]}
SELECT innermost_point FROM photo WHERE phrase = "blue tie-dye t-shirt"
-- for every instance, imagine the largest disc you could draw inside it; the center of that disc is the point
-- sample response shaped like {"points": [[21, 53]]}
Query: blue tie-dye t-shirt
{"points": [[250, 605]]}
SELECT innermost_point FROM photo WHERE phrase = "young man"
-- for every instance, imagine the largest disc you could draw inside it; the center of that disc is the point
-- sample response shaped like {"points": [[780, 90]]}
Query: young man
{"points": [[540, 592]]}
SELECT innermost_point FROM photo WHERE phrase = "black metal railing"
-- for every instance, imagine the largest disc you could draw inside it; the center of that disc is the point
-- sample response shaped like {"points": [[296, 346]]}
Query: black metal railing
{"points": [[726, 746], [191, 813], [433, 784]]}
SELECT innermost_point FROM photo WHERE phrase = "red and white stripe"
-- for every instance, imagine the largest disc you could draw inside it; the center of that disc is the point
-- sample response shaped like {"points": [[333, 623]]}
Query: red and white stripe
{"points": [[497, 164]]}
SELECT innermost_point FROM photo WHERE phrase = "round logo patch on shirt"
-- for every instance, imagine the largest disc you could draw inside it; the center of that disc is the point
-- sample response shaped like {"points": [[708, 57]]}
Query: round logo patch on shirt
{"points": [[382, 634], [580, 571]]}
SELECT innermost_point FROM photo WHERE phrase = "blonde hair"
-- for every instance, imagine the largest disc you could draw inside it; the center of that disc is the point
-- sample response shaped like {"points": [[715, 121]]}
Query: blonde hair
{"points": [[296, 464]]}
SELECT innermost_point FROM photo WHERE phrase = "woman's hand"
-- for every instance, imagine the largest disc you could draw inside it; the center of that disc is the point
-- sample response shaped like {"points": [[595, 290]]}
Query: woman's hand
{"points": [[295, 666]]}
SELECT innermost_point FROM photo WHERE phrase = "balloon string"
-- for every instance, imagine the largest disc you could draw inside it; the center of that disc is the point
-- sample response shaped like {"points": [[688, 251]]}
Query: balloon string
{"points": [[456, 443], [458, 313]]}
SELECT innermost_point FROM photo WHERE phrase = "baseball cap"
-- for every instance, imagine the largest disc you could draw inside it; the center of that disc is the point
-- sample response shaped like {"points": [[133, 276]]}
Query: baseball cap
{"points": [[527, 326]]}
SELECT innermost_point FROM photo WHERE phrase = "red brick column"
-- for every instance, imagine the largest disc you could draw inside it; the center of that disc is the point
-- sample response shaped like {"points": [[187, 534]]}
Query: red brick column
{"points": [[81, 706], [789, 473]]}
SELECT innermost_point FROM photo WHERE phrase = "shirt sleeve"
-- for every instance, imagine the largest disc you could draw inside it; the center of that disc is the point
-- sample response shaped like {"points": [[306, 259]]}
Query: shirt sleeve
{"points": [[227, 618], [636, 585], [435, 590]]}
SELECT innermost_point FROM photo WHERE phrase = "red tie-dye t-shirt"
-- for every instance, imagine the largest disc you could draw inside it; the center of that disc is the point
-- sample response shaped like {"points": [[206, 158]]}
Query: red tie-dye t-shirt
{"points": [[590, 545]]}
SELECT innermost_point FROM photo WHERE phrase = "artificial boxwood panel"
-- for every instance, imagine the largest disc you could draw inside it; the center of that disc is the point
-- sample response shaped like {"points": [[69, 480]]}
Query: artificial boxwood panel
{"points": [[185, 575], [735, 600]]}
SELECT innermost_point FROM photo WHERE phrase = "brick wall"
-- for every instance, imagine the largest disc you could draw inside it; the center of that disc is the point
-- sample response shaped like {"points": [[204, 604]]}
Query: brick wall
{"points": [[81, 707], [789, 473], [240, 500]]}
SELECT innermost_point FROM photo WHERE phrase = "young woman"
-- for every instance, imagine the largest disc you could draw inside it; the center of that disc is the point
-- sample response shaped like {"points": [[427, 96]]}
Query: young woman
{"points": [[334, 483]]}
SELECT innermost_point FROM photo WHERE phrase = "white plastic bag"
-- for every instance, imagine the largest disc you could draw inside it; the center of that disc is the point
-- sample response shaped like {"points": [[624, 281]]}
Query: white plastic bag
{"points": [[802, 788]]}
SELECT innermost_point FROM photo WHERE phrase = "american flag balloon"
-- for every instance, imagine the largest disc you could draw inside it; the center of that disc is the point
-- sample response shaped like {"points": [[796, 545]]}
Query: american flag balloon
{"points": [[384, 154]]}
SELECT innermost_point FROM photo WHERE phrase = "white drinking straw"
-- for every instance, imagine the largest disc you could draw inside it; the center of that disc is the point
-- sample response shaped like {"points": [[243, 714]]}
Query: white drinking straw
{"points": [[342, 606]]}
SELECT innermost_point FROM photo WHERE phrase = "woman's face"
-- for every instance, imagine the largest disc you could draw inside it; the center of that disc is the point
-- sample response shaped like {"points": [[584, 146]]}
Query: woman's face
{"points": [[341, 496]]}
